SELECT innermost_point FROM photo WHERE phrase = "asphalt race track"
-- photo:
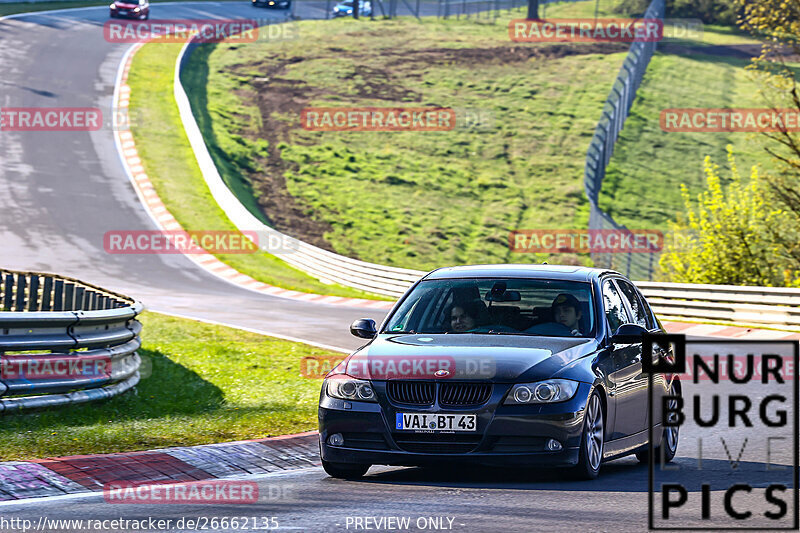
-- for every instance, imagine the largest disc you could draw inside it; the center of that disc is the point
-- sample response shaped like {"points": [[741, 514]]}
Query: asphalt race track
{"points": [[60, 192]]}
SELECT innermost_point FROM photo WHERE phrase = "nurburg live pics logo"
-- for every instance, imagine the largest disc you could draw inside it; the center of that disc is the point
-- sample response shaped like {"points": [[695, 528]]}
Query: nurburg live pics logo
{"points": [[736, 434]]}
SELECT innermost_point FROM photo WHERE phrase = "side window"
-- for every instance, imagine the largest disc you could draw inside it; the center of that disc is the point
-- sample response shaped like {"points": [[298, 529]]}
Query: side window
{"points": [[615, 309], [637, 307]]}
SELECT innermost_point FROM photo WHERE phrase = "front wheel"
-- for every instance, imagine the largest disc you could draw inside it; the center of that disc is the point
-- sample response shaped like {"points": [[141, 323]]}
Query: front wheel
{"points": [[590, 455], [344, 470]]}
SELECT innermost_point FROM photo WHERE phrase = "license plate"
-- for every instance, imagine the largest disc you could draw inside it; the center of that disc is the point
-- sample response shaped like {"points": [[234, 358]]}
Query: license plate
{"points": [[436, 422], [123, 11]]}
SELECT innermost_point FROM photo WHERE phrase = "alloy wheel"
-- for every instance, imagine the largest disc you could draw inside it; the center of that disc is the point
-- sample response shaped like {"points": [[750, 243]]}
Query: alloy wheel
{"points": [[594, 433]]}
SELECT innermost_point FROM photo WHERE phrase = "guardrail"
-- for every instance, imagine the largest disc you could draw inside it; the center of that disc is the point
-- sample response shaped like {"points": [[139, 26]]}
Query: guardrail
{"points": [[615, 111], [757, 306], [63, 341]]}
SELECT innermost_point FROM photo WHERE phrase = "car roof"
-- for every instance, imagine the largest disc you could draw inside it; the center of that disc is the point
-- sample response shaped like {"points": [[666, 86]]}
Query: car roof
{"points": [[560, 272]]}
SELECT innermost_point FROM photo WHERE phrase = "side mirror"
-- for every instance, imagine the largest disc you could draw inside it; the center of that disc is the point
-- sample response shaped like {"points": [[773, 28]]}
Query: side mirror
{"points": [[628, 333], [364, 328]]}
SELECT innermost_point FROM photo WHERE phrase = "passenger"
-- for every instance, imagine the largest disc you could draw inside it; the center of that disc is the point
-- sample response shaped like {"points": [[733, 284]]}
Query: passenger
{"points": [[567, 312], [465, 316]]}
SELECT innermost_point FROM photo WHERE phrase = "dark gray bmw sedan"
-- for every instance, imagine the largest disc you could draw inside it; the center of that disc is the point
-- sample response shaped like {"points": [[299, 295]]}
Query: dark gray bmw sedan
{"points": [[509, 365]]}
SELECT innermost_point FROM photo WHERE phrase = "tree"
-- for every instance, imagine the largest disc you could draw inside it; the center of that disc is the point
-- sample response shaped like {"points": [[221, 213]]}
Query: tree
{"points": [[732, 235], [533, 9], [709, 11], [777, 22]]}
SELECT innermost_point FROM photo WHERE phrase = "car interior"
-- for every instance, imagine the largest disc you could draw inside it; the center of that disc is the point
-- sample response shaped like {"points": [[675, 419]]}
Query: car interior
{"points": [[503, 307]]}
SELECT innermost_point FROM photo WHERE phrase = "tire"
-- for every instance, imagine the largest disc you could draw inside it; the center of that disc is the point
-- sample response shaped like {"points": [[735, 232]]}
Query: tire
{"points": [[590, 456], [344, 470], [669, 439]]}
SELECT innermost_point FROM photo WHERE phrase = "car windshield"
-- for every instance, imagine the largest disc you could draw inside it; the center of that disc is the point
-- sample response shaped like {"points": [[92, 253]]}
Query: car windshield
{"points": [[497, 306]]}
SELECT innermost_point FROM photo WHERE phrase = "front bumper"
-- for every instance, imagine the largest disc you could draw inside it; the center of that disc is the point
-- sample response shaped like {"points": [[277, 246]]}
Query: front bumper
{"points": [[128, 15], [282, 4], [507, 435]]}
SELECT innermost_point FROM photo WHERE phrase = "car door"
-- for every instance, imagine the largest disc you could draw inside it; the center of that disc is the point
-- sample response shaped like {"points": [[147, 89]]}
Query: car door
{"points": [[648, 320], [628, 382]]}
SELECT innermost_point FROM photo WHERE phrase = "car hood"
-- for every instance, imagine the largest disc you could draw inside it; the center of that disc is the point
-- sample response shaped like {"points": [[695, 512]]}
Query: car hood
{"points": [[499, 358], [125, 5]]}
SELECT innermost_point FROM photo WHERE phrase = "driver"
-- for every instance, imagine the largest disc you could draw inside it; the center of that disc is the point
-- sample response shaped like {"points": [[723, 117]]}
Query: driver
{"points": [[465, 316], [567, 312]]}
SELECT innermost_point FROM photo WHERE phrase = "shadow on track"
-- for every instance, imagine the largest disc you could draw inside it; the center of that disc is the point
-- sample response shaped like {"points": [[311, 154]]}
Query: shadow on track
{"points": [[624, 475]]}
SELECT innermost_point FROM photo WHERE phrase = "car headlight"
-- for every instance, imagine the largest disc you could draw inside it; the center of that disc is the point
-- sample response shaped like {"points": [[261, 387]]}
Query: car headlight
{"points": [[112, 6], [350, 389], [549, 391], [135, 9]]}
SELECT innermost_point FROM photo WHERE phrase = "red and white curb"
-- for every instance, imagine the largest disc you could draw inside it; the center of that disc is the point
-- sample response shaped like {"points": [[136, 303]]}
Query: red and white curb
{"points": [[132, 163], [92, 473], [728, 332]]}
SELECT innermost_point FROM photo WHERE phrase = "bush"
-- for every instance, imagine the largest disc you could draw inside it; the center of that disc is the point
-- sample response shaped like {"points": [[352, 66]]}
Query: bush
{"points": [[709, 11], [733, 235]]}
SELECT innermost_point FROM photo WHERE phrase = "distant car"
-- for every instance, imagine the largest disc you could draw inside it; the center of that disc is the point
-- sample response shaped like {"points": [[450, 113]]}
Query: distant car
{"points": [[284, 4], [513, 365], [345, 9], [133, 9]]}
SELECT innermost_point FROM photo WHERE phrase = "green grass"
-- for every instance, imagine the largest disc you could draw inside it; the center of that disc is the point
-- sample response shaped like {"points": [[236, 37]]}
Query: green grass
{"points": [[170, 164], [641, 188], [411, 199], [208, 384], [713, 35]]}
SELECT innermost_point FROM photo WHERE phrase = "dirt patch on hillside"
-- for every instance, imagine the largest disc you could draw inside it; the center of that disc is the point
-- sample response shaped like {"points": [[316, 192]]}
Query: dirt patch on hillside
{"points": [[279, 96]]}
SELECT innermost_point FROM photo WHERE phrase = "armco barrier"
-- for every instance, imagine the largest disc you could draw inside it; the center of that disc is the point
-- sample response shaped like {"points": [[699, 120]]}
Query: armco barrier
{"points": [[56, 328], [759, 306]]}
